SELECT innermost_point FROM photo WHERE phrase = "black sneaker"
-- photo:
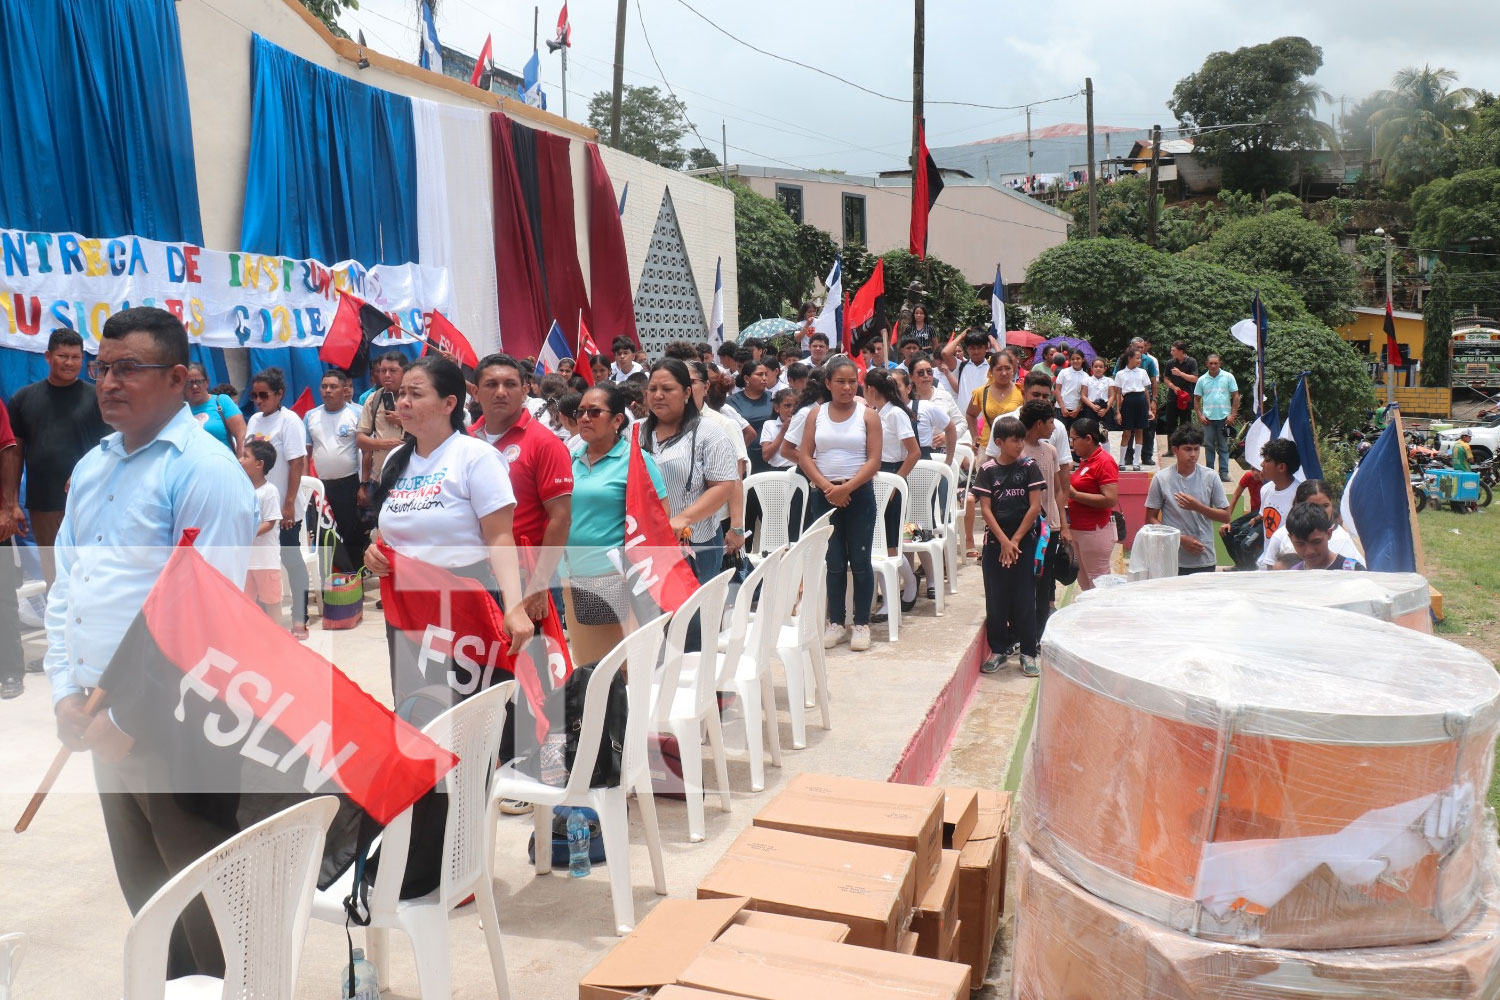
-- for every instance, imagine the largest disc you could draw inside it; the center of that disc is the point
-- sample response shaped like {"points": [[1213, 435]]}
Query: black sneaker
{"points": [[34, 666], [12, 687], [992, 664]]}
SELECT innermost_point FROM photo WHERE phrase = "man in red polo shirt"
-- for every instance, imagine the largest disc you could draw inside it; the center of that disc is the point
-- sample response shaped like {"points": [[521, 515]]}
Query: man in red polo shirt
{"points": [[541, 472]]}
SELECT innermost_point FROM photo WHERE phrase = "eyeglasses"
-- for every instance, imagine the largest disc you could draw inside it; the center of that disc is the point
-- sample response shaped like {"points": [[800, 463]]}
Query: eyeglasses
{"points": [[922, 373], [699, 381], [592, 412], [196, 383], [261, 395], [124, 369]]}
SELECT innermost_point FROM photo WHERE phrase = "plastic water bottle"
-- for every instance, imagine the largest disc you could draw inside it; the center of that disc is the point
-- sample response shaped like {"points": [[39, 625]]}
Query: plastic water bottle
{"points": [[578, 844], [366, 979]]}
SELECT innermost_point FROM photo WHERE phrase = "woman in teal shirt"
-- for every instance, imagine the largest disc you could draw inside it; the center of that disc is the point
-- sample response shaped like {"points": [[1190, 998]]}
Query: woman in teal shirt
{"points": [[595, 595], [216, 414]]}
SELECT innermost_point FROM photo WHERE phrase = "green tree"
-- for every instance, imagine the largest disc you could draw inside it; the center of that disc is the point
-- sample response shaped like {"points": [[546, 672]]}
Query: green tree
{"points": [[1112, 290], [772, 277], [652, 124], [1437, 318], [328, 12], [1302, 254], [1478, 145], [1415, 128], [1461, 215], [1124, 213], [1249, 109], [700, 158]]}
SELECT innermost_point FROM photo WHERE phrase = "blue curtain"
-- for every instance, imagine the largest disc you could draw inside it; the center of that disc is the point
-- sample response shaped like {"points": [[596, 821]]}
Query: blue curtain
{"points": [[333, 176], [94, 130]]}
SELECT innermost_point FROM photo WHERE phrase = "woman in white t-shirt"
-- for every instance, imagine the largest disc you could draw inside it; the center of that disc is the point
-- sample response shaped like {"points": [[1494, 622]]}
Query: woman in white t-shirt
{"points": [[445, 497], [283, 430], [1071, 383], [840, 454], [1099, 393]]}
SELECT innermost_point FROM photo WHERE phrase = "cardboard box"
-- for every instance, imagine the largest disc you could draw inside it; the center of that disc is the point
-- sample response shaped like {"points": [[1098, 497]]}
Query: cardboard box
{"points": [[869, 889], [880, 813], [660, 947], [950, 953], [908, 945], [819, 930], [981, 883], [685, 993], [937, 909], [768, 966], [960, 813]]}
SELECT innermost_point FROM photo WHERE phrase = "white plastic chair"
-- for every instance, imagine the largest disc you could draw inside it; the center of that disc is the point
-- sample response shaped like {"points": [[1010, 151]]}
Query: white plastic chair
{"points": [[685, 701], [308, 543], [744, 661], [776, 491], [964, 468], [924, 511], [12, 950], [889, 488], [258, 886], [471, 730], [799, 640], [823, 521], [638, 652]]}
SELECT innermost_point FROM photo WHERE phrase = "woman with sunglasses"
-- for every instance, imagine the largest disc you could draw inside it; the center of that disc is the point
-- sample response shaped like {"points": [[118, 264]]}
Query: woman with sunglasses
{"points": [[595, 595], [937, 424], [216, 413], [283, 430]]}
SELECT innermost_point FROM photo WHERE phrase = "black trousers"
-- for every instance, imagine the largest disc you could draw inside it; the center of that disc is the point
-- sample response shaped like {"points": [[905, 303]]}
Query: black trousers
{"points": [[1176, 418], [1046, 584], [154, 834], [296, 571], [342, 499], [1009, 598], [12, 660]]}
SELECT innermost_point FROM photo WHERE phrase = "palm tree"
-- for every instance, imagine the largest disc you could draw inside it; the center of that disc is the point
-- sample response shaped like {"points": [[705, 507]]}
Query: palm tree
{"points": [[1420, 108]]}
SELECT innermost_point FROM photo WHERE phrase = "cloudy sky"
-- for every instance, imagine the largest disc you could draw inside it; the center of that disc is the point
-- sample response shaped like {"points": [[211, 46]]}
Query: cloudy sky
{"points": [[780, 114]]}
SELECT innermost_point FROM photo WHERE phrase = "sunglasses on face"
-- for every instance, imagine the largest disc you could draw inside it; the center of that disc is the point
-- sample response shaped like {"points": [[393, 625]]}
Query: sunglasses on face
{"points": [[261, 395], [592, 412]]}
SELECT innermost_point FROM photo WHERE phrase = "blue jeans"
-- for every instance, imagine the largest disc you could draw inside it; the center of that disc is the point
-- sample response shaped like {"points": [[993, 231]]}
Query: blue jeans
{"points": [[708, 557], [849, 551], [1216, 442]]}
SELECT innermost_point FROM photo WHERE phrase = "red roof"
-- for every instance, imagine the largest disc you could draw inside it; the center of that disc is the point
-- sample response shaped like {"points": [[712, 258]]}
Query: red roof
{"points": [[1066, 130]]}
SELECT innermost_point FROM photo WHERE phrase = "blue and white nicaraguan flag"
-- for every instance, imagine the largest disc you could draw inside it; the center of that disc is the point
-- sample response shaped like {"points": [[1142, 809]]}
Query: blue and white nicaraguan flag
{"points": [[716, 321], [997, 308], [431, 56], [554, 349], [830, 321], [1374, 506]]}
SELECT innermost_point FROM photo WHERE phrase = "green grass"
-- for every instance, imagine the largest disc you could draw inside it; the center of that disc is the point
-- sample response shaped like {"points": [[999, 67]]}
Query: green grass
{"points": [[1465, 568]]}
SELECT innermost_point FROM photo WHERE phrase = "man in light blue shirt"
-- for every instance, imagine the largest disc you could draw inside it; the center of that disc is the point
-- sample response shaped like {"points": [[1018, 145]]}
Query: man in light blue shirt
{"points": [[1216, 402], [128, 503]]}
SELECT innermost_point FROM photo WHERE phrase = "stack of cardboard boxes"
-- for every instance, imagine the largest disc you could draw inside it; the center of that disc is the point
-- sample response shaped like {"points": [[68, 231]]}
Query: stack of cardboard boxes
{"points": [[841, 889]]}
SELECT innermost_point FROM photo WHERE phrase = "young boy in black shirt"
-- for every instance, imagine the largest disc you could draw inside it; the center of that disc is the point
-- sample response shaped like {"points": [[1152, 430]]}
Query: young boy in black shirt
{"points": [[1009, 491]]}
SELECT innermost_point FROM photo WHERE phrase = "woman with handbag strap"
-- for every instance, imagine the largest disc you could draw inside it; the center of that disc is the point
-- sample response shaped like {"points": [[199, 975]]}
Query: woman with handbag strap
{"points": [[216, 413]]}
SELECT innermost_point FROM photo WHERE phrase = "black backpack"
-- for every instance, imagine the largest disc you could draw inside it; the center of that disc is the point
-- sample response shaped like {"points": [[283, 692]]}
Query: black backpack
{"points": [[564, 710]]}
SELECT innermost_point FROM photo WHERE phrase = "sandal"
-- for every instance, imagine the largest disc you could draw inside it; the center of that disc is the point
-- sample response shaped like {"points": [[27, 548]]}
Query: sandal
{"points": [[971, 554]]}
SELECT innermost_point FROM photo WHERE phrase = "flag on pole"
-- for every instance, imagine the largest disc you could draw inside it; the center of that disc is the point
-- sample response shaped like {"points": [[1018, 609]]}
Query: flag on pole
{"points": [[846, 333], [355, 325], [1299, 429], [830, 321], [232, 703], [651, 559], [554, 349], [305, 403], [563, 39], [862, 307], [716, 320], [431, 56], [1394, 355], [1375, 505], [926, 185], [483, 67], [445, 337], [1267, 425], [997, 307], [531, 82], [587, 351], [624, 191]]}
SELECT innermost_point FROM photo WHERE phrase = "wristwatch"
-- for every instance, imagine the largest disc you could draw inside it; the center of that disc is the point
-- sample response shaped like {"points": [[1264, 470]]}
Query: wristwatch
{"points": [[736, 531]]}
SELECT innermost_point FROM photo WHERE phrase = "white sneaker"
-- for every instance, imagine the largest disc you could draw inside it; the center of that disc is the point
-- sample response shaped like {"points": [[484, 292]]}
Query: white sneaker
{"points": [[859, 640], [833, 635]]}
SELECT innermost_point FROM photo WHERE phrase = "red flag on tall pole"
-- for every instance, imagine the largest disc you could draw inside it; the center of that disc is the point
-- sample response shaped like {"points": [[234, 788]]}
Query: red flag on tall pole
{"points": [[564, 36], [654, 561], [926, 185], [862, 308], [1394, 355], [583, 363], [480, 76]]}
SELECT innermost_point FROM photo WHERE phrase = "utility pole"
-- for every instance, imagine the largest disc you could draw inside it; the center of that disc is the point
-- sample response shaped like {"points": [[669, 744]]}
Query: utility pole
{"points": [[536, 18], [1151, 203], [919, 48], [614, 104], [1028, 144], [724, 146], [1390, 368], [1088, 92], [565, 80]]}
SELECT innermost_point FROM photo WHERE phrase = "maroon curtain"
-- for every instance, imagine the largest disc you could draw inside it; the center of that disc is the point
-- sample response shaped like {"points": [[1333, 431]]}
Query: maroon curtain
{"points": [[524, 316], [609, 270], [565, 289]]}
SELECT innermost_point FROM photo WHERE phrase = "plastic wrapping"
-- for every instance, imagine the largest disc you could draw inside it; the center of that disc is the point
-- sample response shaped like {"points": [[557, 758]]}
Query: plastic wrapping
{"points": [[1402, 598], [1153, 554], [1073, 946], [1261, 773]]}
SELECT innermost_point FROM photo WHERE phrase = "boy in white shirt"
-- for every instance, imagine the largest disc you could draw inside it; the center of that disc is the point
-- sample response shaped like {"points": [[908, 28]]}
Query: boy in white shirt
{"points": [[263, 581]]}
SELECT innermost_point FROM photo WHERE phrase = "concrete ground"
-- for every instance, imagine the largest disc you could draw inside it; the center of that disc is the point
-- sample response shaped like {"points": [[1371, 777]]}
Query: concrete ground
{"points": [[57, 883]]}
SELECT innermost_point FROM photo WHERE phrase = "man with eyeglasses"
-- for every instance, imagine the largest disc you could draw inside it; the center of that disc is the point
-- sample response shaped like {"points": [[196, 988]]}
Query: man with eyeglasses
{"points": [[130, 500], [56, 422]]}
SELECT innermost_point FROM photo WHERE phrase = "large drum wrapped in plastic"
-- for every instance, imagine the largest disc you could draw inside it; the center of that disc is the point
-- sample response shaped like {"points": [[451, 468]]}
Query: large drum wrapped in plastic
{"points": [[1403, 598], [1262, 773], [1153, 554], [1071, 945]]}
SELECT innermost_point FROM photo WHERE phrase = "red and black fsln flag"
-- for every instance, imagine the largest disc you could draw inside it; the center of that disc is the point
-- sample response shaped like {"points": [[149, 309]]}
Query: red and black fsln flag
{"points": [[926, 185], [355, 326], [1394, 355]]}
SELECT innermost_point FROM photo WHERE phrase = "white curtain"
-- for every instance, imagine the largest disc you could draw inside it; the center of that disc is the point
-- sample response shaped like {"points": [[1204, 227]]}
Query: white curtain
{"points": [[455, 227]]}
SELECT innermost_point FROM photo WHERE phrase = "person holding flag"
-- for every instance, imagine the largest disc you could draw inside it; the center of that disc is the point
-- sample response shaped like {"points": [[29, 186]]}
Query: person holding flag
{"points": [[445, 499], [129, 501]]}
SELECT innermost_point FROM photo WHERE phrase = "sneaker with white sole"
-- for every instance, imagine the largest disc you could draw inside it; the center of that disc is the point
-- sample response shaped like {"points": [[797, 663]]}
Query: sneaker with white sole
{"points": [[859, 639], [833, 635], [1029, 667], [515, 807]]}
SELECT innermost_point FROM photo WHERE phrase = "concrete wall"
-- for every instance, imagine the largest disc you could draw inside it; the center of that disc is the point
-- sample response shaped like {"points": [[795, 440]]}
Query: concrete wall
{"points": [[972, 227], [1368, 327], [216, 53]]}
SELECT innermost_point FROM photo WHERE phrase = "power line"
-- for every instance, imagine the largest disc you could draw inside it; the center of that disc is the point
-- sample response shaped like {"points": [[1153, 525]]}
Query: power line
{"points": [[681, 108], [874, 93]]}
